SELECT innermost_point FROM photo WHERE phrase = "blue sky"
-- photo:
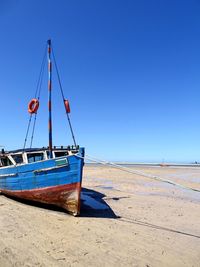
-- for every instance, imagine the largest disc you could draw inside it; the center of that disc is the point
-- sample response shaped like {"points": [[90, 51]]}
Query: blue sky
{"points": [[131, 70]]}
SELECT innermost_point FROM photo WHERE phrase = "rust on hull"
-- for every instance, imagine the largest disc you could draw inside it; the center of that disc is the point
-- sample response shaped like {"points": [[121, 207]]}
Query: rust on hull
{"points": [[65, 196]]}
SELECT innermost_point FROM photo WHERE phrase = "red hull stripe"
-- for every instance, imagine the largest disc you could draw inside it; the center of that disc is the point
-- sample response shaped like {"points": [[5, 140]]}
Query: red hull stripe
{"points": [[66, 196]]}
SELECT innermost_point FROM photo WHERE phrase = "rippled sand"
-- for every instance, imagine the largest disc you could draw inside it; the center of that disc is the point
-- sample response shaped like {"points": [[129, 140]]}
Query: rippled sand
{"points": [[126, 220]]}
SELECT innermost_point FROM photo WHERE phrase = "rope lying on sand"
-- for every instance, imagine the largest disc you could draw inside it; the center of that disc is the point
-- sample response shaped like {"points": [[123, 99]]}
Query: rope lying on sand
{"points": [[154, 177]]}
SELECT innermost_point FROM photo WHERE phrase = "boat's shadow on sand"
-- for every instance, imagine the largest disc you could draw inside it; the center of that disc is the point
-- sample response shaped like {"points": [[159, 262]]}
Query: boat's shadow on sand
{"points": [[92, 205]]}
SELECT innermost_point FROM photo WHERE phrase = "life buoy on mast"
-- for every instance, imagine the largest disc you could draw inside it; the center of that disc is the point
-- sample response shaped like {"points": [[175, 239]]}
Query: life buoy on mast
{"points": [[33, 106], [67, 107]]}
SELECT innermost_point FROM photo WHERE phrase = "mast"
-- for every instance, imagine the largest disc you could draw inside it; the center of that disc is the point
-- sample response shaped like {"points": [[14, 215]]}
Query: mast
{"points": [[49, 94]]}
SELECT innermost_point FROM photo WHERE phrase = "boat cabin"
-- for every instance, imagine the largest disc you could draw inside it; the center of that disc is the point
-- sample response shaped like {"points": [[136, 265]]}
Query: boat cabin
{"points": [[24, 156]]}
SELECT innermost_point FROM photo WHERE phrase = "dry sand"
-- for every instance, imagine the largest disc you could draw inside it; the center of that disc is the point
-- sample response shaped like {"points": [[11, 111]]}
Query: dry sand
{"points": [[126, 220]]}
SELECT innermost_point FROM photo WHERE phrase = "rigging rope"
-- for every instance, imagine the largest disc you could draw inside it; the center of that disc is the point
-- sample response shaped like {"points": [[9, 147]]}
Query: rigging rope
{"points": [[39, 83], [37, 95], [62, 93], [33, 130], [154, 177], [39, 86], [27, 131]]}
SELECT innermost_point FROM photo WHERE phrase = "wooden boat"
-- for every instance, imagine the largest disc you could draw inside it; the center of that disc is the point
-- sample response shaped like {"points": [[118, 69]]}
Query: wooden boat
{"points": [[51, 175]]}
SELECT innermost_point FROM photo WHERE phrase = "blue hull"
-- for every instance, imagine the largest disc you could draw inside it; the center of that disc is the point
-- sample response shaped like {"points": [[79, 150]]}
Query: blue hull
{"points": [[49, 179]]}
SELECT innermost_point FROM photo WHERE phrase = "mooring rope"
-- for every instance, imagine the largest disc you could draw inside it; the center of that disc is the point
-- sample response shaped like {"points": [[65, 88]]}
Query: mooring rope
{"points": [[148, 175]]}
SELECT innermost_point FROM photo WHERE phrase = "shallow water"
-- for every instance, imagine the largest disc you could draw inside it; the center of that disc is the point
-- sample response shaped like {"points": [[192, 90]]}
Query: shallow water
{"points": [[167, 190]]}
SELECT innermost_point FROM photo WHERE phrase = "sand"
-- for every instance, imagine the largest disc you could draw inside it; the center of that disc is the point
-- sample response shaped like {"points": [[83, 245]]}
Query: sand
{"points": [[126, 220]]}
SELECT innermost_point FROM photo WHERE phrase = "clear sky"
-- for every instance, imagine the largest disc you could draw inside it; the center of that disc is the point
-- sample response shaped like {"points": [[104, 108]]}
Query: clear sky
{"points": [[131, 70]]}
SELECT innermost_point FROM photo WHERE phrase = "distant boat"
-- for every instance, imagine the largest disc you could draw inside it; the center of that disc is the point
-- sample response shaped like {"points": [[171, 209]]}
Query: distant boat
{"points": [[51, 175]]}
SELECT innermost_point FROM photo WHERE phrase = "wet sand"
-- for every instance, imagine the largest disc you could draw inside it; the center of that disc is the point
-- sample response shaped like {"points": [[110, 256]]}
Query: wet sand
{"points": [[126, 220]]}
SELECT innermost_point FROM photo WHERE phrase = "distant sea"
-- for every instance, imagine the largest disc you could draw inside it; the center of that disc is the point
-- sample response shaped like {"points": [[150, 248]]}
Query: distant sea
{"points": [[143, 164]]}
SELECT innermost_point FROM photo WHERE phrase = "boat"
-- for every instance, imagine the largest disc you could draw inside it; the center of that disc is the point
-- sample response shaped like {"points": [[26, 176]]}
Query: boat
{"points": [[51, 174]]}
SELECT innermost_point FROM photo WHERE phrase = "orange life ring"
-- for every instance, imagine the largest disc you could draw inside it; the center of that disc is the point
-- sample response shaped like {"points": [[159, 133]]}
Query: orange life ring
{"points": [[67, 107], [33, 106]]}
